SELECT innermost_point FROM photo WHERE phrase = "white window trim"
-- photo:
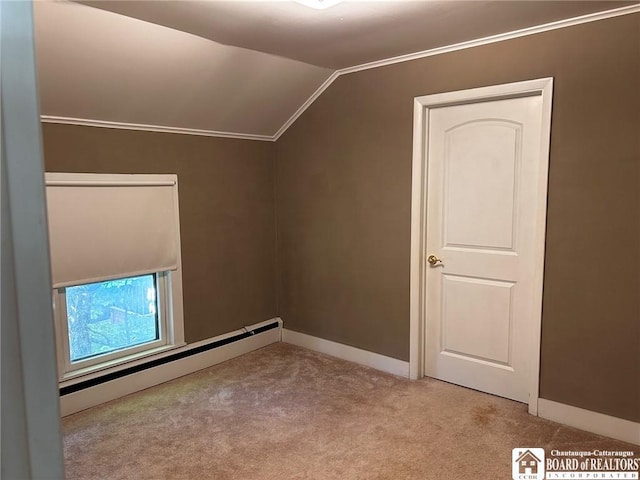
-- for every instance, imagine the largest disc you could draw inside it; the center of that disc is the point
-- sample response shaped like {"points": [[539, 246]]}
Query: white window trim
{"points": [[69, 369], [169, 285]]}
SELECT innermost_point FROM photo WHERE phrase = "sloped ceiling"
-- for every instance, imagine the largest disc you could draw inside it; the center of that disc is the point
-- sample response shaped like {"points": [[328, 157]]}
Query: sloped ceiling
{"points": [[352, 32], [241, 68], [98, 65]]}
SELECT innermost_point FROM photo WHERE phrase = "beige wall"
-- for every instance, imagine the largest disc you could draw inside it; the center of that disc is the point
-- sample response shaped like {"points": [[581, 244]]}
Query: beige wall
{"points": [[343, 178], [344, 190], [227, 218]]}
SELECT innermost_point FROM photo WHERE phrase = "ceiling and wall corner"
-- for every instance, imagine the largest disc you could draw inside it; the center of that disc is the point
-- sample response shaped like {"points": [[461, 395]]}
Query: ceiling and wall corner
{"points": [[101, 68], [248, 70]]}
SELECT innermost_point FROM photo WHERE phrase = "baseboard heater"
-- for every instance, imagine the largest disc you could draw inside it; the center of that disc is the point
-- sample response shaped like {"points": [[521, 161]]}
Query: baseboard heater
{"points": [[164, 360]]}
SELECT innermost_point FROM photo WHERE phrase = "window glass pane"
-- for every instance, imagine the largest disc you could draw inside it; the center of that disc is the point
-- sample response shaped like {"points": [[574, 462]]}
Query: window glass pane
{"points": [[108, 316]]}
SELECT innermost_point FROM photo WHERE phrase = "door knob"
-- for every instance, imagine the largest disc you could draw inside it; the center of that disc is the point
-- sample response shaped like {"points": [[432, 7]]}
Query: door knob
{"points": [[433, 260]]}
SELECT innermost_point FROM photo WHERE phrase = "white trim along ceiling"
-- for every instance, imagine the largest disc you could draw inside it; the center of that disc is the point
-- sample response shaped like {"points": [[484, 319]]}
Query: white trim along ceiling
{"points": [[626, 10]]}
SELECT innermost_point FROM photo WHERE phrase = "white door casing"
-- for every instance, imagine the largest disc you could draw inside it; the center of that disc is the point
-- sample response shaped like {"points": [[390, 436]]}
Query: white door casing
{"points": [[479, 189]]}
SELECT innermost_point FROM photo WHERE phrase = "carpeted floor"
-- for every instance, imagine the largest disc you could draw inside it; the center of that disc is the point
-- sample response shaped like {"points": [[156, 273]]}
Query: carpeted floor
{"points": [[284, 412]]}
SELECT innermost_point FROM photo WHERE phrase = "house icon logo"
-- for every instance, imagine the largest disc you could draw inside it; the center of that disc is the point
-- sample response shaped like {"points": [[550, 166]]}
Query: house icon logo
{"points": [[528, 463]]}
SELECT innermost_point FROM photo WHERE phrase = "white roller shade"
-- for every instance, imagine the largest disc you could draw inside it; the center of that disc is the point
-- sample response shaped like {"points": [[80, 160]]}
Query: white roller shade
{"points": [[110, 226]]}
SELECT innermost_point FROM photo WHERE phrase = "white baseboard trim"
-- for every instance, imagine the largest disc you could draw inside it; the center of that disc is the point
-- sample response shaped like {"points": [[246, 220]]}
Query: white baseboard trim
{"points": [[104, 392], [594, 422], [346, 352]]}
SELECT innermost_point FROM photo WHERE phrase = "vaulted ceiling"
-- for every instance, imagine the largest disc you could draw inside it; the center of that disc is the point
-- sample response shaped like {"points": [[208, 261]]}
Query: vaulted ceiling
{"points": [[241, 68]]}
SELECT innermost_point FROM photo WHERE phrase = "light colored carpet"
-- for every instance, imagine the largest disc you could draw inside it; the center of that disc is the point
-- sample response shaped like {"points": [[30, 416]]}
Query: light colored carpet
{"points": [[284, 412]]}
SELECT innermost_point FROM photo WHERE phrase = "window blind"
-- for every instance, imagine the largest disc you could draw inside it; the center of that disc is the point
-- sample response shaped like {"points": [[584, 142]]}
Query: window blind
{"points": [[103, 227]]}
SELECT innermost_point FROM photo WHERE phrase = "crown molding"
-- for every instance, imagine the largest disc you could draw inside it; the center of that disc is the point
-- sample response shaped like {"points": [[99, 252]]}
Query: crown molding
{"points": [[500, 37], [570, 22], [307, 104], [153, 128]]}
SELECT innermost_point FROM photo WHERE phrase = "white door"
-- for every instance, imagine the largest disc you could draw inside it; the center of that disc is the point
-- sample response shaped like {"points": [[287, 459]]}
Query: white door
{"points": [[483, 162]]}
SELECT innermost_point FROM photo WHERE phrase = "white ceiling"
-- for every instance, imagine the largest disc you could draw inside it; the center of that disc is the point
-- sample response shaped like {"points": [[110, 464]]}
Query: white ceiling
{"points": [[242, 67], [352, 32], [98, 65]]}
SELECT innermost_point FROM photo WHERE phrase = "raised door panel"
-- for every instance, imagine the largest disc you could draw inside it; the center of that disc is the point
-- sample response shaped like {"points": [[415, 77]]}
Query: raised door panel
{"points": [[480, 170]]}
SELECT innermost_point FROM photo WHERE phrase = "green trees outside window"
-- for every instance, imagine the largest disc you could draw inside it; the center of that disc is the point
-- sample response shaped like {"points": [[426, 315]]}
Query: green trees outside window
{"points": [[108, 316]]}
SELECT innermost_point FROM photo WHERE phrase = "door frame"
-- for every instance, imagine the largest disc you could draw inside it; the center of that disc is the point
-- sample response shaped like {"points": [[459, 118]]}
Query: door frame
{"points": [[539, 87]]}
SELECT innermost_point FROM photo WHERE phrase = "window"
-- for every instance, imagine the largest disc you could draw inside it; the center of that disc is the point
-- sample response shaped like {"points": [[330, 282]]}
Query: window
{"points": [[111, 317], [116, 269]]}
